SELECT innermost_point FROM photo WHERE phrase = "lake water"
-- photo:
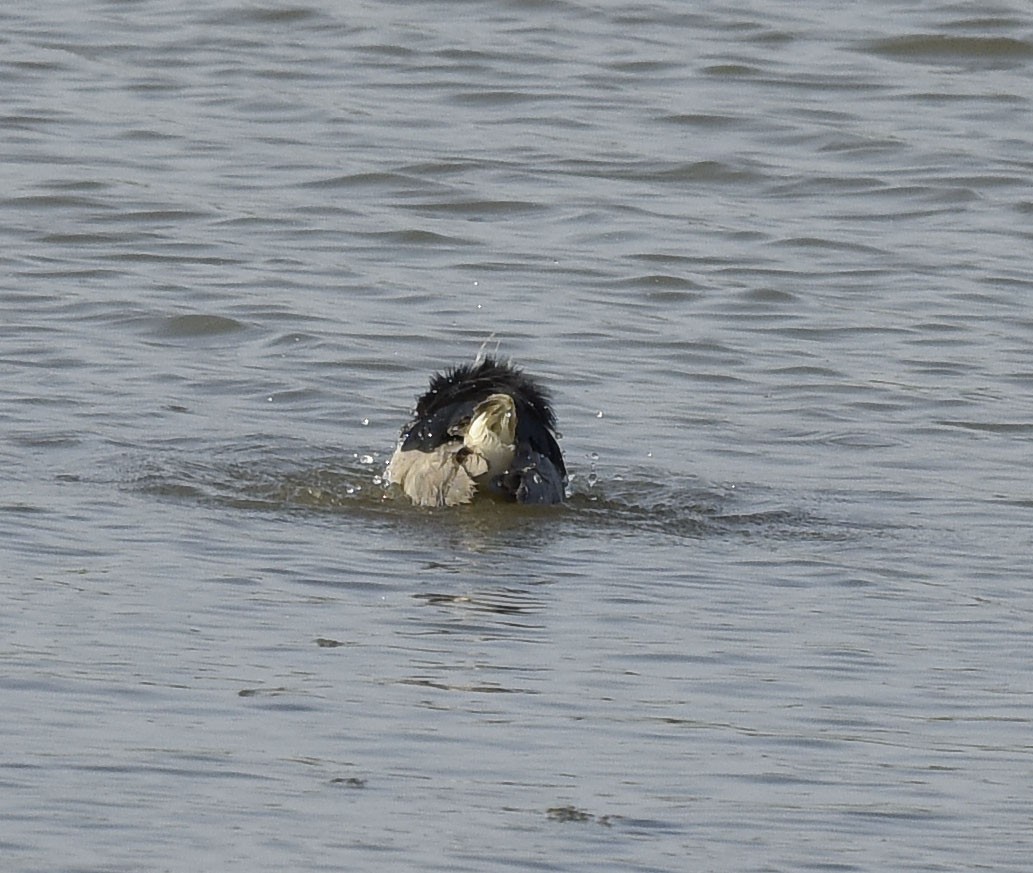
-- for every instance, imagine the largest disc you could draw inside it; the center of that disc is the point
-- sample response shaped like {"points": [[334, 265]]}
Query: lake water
{"points": [[775, 262]]}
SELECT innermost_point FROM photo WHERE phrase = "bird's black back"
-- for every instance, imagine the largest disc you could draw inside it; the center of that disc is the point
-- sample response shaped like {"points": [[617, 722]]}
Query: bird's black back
{"points": [[452, 396]]}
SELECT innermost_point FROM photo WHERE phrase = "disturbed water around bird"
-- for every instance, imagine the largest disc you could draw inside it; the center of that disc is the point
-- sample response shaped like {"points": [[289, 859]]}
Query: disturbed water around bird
{"points": [[776, 264]]}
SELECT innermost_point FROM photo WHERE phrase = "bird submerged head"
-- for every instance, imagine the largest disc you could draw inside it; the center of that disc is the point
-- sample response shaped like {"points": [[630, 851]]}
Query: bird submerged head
{"points": [[486, 428]]}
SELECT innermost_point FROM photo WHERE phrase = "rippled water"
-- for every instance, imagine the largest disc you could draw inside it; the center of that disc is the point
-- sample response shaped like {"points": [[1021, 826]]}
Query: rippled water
{"points": [[774, 264]]}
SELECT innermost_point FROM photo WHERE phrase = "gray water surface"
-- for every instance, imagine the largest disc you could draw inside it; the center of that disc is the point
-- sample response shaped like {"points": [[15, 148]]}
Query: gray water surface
{"points": [[774, 262]]}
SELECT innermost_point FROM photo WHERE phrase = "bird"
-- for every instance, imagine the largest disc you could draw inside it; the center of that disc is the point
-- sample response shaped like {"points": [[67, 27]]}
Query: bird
{"points": [[485, 428]]}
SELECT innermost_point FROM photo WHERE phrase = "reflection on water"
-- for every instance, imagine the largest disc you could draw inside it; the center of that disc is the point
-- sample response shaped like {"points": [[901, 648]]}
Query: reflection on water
{"points": [[640, 501]]}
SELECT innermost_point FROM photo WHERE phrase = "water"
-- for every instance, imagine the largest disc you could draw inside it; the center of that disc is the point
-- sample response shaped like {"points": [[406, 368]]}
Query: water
{"points": [[774, 265]]}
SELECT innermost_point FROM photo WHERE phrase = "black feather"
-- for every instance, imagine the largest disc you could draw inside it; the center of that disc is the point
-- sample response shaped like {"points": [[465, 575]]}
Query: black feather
{"points": [[447, 406]]}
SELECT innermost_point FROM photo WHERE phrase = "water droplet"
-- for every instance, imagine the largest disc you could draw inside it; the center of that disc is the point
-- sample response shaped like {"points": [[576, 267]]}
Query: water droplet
{"points": [[366, 459], [599, 414], [594, 456], [593, 477], [365, 422]]}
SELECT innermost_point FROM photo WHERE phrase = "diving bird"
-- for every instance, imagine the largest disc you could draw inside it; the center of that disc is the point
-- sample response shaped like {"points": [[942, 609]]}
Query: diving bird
{"points": [[481, 428]]}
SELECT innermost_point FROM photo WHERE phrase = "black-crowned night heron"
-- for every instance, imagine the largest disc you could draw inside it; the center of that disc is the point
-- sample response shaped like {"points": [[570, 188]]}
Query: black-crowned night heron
{"points": [[485, 428]]}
